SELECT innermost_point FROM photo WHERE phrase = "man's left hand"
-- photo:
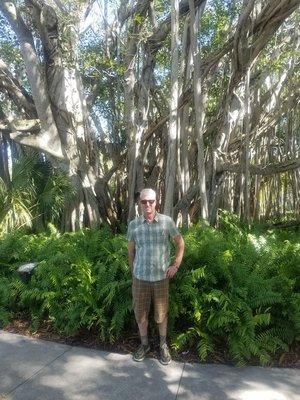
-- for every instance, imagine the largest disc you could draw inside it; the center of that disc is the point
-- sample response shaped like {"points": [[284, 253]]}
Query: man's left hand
{"points": [[171, 271]]}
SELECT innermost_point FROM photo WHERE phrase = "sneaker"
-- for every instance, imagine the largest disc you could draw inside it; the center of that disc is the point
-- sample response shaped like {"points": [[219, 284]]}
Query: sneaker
{"points": [[165, 357], [141, 352]]}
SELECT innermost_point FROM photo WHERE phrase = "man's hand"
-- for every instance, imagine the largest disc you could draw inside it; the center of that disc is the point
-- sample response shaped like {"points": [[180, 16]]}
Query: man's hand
{"points": [[171, 271]]}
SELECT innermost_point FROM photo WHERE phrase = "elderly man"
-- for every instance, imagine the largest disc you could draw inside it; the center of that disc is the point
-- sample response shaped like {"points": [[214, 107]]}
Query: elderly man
{"points": [[149, 258]]}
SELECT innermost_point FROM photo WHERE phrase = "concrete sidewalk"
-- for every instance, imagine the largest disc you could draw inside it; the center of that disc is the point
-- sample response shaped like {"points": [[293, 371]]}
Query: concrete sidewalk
{"points": [[33, 369]]}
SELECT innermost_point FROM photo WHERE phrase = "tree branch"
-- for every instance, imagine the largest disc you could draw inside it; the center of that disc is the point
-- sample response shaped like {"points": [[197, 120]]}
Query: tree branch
{"points": [[15, 90], [28, 132], [155, 41], [87, 8], [42, 142], [263, 170], [37, 82], [25, 125], [61, 6]]}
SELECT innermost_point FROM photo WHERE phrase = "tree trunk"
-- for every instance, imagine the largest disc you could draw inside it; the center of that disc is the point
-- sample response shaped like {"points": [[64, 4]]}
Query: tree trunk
{"points": [[184, 125], [58, 98], [171, 168], [4, 167], [246, 127], [199, 105], [131, 119]]}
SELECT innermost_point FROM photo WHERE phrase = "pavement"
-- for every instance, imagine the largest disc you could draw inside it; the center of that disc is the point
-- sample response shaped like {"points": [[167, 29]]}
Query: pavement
{"points": [[32, 369]]}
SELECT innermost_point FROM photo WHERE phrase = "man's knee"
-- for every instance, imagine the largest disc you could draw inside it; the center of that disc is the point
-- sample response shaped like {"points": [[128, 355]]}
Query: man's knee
{"points": [[141, 318], [160, 317]]}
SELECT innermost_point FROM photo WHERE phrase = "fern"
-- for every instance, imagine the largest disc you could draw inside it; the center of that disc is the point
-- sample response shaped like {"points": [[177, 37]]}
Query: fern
{"points": [[236, 288]]}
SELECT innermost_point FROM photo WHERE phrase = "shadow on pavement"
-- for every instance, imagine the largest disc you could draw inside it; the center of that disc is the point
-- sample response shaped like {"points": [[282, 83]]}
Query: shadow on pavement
{"points": [[35, 369], [79, 373]]}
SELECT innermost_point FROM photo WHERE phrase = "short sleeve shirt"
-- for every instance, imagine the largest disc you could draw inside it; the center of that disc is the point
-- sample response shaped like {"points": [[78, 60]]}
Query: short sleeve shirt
{"points": [[152, 246]]}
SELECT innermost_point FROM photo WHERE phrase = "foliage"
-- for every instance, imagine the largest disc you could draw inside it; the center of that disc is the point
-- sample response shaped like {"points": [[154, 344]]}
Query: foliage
{"points": [[241, 287], [35, 195], [237, 287], [17, 197], [82, 279], [10, 288], [99, 46]]}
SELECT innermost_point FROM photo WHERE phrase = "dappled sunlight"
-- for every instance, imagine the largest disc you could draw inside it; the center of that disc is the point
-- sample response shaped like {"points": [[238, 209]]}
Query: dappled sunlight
{"points": [[223, 382], [84, 373], [263, 394], [71, 373], [258, 242]]}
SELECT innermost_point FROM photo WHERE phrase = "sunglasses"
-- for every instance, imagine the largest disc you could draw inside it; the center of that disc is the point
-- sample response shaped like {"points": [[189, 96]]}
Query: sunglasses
{"points": [[147, 201]]}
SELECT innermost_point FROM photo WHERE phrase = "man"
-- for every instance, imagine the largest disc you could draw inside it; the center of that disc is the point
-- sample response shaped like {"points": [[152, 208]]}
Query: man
{"points": [[149, 258]]}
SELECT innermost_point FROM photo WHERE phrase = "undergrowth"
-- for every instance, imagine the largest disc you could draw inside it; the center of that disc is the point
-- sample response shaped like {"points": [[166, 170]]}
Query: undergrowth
{"points": [[236, 287]]}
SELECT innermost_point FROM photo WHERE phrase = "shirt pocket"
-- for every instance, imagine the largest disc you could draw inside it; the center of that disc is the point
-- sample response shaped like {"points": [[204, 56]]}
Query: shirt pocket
{"points": [[141, 237], [161, 236]]}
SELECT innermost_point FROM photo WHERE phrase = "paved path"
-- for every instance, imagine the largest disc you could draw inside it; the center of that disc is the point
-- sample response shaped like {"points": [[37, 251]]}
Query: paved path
{"points": [[32, 369]]}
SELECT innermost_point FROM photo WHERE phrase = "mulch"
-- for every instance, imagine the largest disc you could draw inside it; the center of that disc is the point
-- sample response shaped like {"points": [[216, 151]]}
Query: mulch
{"points": [[129, 343]]}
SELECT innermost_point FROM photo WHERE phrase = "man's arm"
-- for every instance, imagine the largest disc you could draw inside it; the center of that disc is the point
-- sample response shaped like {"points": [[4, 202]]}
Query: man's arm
{"points": [[179, 243], [131, 254]]}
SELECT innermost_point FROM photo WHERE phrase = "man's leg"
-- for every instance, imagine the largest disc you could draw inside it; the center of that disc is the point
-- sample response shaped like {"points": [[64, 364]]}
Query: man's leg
{"points": [[143, 330], [162, 329], [161, 305], [141, 303]]}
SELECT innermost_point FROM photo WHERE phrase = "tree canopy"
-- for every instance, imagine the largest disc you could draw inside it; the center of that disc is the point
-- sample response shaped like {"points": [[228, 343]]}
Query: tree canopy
{"points": [[197, 99]]}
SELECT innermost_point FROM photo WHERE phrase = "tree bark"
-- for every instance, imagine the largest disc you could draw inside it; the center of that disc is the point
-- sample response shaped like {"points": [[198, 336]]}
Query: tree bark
{"points": [[246, 126], [131, 119], [57, 94], [199, 105], [171, 168]]}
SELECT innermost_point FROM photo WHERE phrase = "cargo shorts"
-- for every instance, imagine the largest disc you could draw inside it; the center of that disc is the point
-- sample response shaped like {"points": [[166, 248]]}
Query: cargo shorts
{"points": [[143, 292]]}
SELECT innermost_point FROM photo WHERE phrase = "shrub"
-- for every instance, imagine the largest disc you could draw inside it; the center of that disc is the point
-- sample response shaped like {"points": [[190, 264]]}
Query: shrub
{"points": [[236, 288]]}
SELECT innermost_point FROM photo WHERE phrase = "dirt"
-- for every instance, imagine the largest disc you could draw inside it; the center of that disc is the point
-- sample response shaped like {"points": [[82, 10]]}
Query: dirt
{"points": [[129, 343]]}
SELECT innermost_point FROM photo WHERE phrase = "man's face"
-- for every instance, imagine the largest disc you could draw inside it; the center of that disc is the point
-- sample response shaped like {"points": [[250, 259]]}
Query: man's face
{"points": [[148, 203]]}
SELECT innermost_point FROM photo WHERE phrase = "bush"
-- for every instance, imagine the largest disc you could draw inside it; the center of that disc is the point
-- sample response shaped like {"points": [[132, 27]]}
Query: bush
{"points": [[82, 280], [236, 288], [239, 288]]}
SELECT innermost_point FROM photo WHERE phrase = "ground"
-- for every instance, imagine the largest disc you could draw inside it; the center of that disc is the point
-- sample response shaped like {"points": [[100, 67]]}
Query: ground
{"points": [[130, 342]]}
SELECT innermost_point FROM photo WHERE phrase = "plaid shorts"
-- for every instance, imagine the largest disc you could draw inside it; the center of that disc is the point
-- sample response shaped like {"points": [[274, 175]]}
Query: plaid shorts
{"points": [[143, 292]]}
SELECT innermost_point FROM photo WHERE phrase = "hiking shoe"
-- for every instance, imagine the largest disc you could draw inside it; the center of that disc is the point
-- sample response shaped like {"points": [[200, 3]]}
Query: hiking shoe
{"points": [[165, 357], [141, 352]]}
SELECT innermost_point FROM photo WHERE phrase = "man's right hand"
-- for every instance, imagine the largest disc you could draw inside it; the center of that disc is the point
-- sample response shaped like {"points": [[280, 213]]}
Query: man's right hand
{"points": [[171, 271]]}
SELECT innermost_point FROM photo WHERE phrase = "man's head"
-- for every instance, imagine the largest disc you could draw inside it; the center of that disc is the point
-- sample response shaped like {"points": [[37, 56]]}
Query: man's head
{"points": [[148, 202]]}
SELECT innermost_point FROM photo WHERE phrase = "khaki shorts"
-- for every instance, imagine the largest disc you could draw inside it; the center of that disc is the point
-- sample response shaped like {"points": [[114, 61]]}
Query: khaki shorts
{"points": [[143, 292]]}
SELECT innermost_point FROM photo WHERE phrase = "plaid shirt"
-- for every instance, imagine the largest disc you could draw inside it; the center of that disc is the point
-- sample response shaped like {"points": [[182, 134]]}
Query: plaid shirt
{"points": [[152, 246]]}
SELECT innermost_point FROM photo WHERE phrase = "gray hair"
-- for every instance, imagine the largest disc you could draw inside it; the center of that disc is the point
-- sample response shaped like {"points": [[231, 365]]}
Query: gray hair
{"points": [[148, 191]]}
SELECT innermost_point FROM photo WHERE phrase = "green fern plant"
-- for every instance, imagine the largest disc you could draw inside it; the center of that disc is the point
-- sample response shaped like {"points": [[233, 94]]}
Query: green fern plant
{"points": [[232, 299], [236, 288]]}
